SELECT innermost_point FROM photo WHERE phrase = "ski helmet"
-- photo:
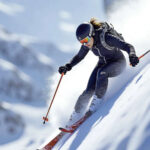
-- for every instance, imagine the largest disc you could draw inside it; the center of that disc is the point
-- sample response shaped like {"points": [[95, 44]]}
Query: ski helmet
{"points": [[84, 30]]}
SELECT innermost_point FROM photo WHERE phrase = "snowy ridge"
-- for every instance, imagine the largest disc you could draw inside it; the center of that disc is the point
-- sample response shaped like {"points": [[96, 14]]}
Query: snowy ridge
{"points": [[19, 66], [14, 50], [23, 70], [121, 124], [16, 84], [25, 65], [11, 124]]}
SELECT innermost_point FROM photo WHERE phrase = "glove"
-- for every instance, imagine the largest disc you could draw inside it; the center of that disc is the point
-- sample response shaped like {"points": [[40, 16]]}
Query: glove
{"points": [[64, 69], [134, 60]]}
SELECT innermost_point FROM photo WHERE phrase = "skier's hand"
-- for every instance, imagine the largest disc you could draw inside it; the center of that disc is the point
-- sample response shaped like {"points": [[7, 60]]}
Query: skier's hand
{"points": [[134, 60], [64, 69]]}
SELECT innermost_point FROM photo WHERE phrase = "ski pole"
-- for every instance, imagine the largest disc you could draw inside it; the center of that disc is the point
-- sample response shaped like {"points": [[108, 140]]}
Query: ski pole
{"points": [[142, 55], [45, 118]]}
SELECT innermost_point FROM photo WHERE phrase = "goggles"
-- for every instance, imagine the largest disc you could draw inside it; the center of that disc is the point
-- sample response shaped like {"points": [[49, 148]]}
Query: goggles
{"points": [[86, 40]]}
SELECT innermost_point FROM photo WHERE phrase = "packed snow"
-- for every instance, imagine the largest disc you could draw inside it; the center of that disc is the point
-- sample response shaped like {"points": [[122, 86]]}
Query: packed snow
{"points": [[33, 44], [122, 123]]}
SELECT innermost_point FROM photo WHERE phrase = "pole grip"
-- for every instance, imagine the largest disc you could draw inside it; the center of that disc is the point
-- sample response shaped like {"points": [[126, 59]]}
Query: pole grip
{"points": [[142, 55]]}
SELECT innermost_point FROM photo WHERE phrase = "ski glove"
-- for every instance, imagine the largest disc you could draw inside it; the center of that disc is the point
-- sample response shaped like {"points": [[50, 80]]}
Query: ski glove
{"points": [[64, 69], [134, 60]]}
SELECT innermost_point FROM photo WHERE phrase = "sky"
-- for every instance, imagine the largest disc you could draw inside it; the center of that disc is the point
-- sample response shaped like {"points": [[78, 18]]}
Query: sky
{"points": [[53, 21]]}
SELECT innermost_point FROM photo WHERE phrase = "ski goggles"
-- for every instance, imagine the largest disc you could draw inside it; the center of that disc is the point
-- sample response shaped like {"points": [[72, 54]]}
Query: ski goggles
{"points": [[86, 40]]}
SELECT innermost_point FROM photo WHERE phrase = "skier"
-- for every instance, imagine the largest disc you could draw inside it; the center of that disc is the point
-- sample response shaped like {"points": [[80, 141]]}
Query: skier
{"points": [[106, 43]]}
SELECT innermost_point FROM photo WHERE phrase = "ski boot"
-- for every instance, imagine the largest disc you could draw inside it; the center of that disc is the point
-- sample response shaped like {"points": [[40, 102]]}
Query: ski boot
{"points": [[94, 105], [75, 116]]}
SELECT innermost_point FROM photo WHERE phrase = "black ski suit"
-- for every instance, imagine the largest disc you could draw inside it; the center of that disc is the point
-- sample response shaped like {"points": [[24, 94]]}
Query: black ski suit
{"points": [[111, 63]]}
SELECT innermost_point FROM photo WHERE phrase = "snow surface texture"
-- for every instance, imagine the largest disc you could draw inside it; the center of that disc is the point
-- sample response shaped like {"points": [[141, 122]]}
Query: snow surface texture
{"points": [[123, 122]]}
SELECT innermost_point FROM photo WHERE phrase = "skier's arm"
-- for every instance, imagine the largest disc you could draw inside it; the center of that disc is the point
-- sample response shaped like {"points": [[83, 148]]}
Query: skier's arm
{"points": [[113, 41], [116, 42], [81, 54], [75, 60]]}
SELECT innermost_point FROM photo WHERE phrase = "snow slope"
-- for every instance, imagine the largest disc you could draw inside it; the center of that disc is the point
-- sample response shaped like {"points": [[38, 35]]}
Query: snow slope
{"points": [[16, 84], [23, 72], [11, 124], [122, 123]]}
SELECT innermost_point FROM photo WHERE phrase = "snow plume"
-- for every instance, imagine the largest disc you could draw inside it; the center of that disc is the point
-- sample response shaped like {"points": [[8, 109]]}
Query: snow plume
{"points": [[130, 19]]}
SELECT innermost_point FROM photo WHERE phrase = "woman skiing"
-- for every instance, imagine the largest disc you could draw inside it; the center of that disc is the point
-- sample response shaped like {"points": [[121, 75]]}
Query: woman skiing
{"points": [[106, 44]]}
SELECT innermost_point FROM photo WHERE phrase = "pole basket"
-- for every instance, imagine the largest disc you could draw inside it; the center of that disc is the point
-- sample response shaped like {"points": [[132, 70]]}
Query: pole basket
{"points": [[45, 118]]}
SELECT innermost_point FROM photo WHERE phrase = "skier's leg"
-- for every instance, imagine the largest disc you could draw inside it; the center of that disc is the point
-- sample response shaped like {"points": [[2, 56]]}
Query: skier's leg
{"points": [[80, 107], [110, 70], [84, 98]]}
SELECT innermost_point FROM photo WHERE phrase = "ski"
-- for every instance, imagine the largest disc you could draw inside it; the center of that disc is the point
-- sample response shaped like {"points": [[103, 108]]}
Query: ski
{"points": [[64, 131], [73, 127], [53, 142]]}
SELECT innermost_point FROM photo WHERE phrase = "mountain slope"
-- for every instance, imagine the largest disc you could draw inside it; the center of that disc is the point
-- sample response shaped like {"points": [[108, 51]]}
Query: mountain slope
{"points": [[11, 124], [122, 123]]}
